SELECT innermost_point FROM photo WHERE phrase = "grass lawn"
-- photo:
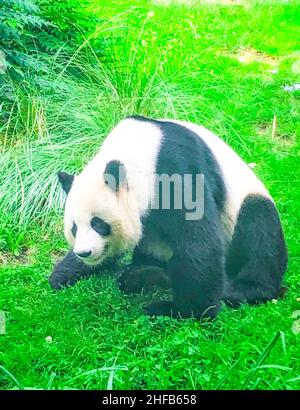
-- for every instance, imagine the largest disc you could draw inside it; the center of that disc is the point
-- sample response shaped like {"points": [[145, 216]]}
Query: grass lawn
{"points": [[220, 63]]}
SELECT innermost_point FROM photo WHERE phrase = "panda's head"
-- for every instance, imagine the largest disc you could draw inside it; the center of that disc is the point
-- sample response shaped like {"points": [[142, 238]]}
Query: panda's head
{"points": [[101, 219]]}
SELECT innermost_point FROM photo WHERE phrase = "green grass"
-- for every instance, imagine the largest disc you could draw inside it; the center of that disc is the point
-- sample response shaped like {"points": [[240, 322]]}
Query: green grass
{"points": [[182, 62]]}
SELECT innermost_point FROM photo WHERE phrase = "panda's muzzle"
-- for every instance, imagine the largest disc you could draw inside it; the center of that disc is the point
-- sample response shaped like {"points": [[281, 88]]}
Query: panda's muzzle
{"points": [[92, 258], [84, 254]]}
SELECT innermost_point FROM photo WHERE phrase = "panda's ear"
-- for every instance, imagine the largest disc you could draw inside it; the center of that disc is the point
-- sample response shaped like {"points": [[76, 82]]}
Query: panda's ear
{"points": [[115, 175], [65, 180]]}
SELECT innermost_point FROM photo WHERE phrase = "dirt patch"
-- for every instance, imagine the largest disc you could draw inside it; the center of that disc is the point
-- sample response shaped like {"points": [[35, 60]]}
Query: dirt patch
{"points": [[24, 257], [276, 135], [250, 55]]}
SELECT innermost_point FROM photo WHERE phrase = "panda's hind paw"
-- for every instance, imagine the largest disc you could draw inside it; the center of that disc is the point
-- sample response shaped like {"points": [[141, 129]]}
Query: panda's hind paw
{"points": [[134, 279], [161, 308]]}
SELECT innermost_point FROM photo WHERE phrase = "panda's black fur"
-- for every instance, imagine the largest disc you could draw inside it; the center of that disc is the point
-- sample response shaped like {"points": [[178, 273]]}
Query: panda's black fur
{"points": [[203, 270]]}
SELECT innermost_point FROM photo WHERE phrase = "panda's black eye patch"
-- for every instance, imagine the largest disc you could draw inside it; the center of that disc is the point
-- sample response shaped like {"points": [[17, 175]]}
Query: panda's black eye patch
{"points": [[100, 226], [74, 229]]}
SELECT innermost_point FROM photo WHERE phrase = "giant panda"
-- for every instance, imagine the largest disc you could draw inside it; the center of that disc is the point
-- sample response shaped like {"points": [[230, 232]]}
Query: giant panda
{"points": [[234, 252]]}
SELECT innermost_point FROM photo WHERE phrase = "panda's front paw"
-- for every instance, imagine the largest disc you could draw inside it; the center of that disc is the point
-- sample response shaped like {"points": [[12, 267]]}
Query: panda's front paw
{"points": [[69, 270], [59, 280], [54, 283]]}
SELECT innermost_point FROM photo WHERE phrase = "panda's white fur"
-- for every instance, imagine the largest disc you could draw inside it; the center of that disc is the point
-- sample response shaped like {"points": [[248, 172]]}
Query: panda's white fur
{"points": [[136, 144]]}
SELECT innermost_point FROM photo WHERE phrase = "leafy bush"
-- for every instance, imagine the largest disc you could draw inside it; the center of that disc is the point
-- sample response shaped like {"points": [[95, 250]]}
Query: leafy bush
{"points": [[28, 27], [37, 37], [19, 21], [72, 25]]}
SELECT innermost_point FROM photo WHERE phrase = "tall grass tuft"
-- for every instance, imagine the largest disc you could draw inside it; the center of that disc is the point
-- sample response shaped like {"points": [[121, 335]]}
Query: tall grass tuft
{"points": [[63, 123]]}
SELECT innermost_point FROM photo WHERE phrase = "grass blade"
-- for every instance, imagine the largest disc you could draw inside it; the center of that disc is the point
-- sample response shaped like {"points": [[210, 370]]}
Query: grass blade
{"points": [[12, 377], [93, 371], [225, 377], [50, 382], [110, 380], [260, 360]]}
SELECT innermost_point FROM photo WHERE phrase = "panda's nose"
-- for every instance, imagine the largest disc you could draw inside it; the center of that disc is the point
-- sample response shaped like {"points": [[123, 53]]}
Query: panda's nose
{"points": [[84, 254]]}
